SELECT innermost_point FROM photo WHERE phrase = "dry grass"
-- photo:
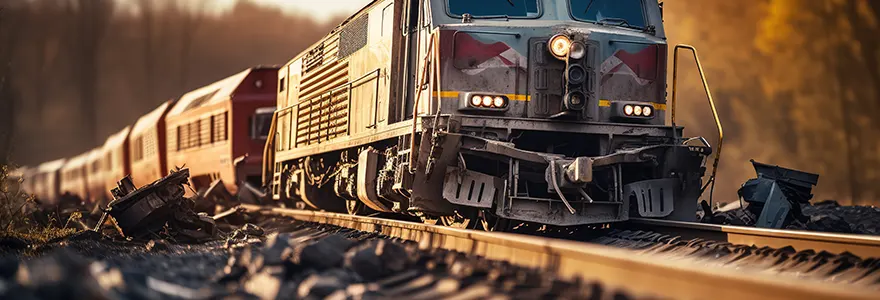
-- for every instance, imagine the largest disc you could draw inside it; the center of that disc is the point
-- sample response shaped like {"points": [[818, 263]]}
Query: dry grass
{"points": [[16, 211]]}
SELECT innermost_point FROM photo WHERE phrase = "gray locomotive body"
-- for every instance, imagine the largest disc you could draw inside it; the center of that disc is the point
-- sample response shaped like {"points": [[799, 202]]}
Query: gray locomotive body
{"points": [[544, 111]]}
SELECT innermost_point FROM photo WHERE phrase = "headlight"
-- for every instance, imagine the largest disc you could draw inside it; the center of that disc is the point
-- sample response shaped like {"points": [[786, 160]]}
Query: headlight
{"points": [[575, 101], [578, 50], [498, 102], [576, 74], [487, 101], [635, 110], [476, 100], [559, 46], [483, 102]]}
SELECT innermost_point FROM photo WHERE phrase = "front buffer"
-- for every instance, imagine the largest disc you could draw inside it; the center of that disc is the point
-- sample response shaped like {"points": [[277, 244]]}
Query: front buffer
{"points": [[457, 172]]}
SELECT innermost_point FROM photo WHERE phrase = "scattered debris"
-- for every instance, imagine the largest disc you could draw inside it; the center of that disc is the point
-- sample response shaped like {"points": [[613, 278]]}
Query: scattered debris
{"points": [[159, 208], [772, 200], [777, 195]]}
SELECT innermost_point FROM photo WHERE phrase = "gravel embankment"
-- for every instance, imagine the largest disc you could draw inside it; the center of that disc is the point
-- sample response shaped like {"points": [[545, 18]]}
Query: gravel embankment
{"points": [[292, 261]]}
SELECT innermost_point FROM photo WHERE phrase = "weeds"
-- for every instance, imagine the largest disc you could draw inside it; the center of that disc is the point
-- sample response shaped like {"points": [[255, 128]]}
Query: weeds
{"points": [[16, 211]]}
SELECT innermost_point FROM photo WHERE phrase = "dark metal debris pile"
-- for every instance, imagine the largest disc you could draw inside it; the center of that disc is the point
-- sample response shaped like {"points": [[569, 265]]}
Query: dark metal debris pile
{"points": [[824, 266], [779, 198], [303, 261]]}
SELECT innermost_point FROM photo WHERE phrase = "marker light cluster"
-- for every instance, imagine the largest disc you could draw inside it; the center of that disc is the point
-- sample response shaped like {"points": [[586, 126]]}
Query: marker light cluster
{"points": [[638, 110], [486, 101]]}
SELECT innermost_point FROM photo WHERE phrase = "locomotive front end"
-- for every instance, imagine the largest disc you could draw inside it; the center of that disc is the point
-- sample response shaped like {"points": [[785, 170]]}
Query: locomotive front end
{"points": [[554, 112]]}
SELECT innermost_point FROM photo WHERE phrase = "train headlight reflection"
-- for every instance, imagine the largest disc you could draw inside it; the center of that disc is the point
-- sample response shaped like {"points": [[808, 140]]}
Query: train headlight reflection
{"points": [[647, 111], [628, 110]]}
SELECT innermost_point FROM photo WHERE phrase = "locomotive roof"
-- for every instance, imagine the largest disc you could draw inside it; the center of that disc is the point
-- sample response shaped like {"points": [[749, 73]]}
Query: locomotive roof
{"points": [[150, 119], [50, 166], [76, 161], [209, 94], [117, 138]]}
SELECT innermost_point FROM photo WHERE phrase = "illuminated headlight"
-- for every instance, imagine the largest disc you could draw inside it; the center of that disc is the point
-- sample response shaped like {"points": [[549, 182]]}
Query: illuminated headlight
{"points": [[636, 110], [578, 50], [484, 102], [498, 102], [559, 46], [476, 100], [487, 101]]}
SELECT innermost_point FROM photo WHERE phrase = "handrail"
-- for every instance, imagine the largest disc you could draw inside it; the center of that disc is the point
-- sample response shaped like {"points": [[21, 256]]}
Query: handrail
{"points": [[711, 104]]}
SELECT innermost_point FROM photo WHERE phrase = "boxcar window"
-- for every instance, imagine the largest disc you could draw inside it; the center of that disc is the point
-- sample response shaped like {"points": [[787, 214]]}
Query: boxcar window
{"points": [[260, 123], [626, 13], [494, 8]]}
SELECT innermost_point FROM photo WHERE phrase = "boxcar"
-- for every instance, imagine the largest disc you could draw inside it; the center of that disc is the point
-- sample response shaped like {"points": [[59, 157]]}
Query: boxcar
{"points": [[47, 182], [147, 146], [219, 130], [116, 161], [97, 187], [74, 174]]}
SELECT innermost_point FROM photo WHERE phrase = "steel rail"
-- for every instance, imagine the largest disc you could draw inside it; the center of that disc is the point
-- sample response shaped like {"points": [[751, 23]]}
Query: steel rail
{"points": [[865, 246], [642, 275]]}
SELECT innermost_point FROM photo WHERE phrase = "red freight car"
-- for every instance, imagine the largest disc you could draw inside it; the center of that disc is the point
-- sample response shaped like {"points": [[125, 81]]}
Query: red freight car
{"points": [[47, 182], [147, 146], [116, 161], [73, 178], [95, 182], [219, 130]]}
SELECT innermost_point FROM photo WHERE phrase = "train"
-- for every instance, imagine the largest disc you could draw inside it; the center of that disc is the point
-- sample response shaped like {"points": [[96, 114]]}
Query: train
{"points": [[464, 113], [217, 131]]}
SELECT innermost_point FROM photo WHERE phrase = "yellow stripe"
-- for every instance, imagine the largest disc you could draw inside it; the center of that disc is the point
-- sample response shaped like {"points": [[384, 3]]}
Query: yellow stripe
{"points": [[446, 94], [605, 103], [453, 94]]}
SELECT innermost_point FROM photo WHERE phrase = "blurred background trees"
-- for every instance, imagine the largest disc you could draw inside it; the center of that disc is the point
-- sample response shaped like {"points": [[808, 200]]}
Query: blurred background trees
{"points": [[797, 81], [797, 84], [79, 70]]}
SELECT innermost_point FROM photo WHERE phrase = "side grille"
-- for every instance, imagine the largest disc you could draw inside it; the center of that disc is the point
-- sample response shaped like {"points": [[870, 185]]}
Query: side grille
{"points": [[323, 112]]}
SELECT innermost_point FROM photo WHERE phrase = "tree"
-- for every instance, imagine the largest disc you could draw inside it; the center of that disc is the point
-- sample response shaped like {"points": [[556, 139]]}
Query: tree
{"points": [[91, 19]]}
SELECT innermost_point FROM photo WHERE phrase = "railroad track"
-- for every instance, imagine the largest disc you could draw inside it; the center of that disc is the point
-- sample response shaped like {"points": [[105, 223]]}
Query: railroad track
{"points": [[642, 275], [861, 245]]}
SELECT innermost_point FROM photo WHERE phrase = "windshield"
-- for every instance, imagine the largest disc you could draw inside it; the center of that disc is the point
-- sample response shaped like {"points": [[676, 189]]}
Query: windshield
{"points": [[628, 13], [494, 8]]}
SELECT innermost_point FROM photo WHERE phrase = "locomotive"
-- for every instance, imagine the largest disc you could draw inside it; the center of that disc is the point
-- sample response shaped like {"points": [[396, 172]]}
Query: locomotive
{"points": [[476, 113]]}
